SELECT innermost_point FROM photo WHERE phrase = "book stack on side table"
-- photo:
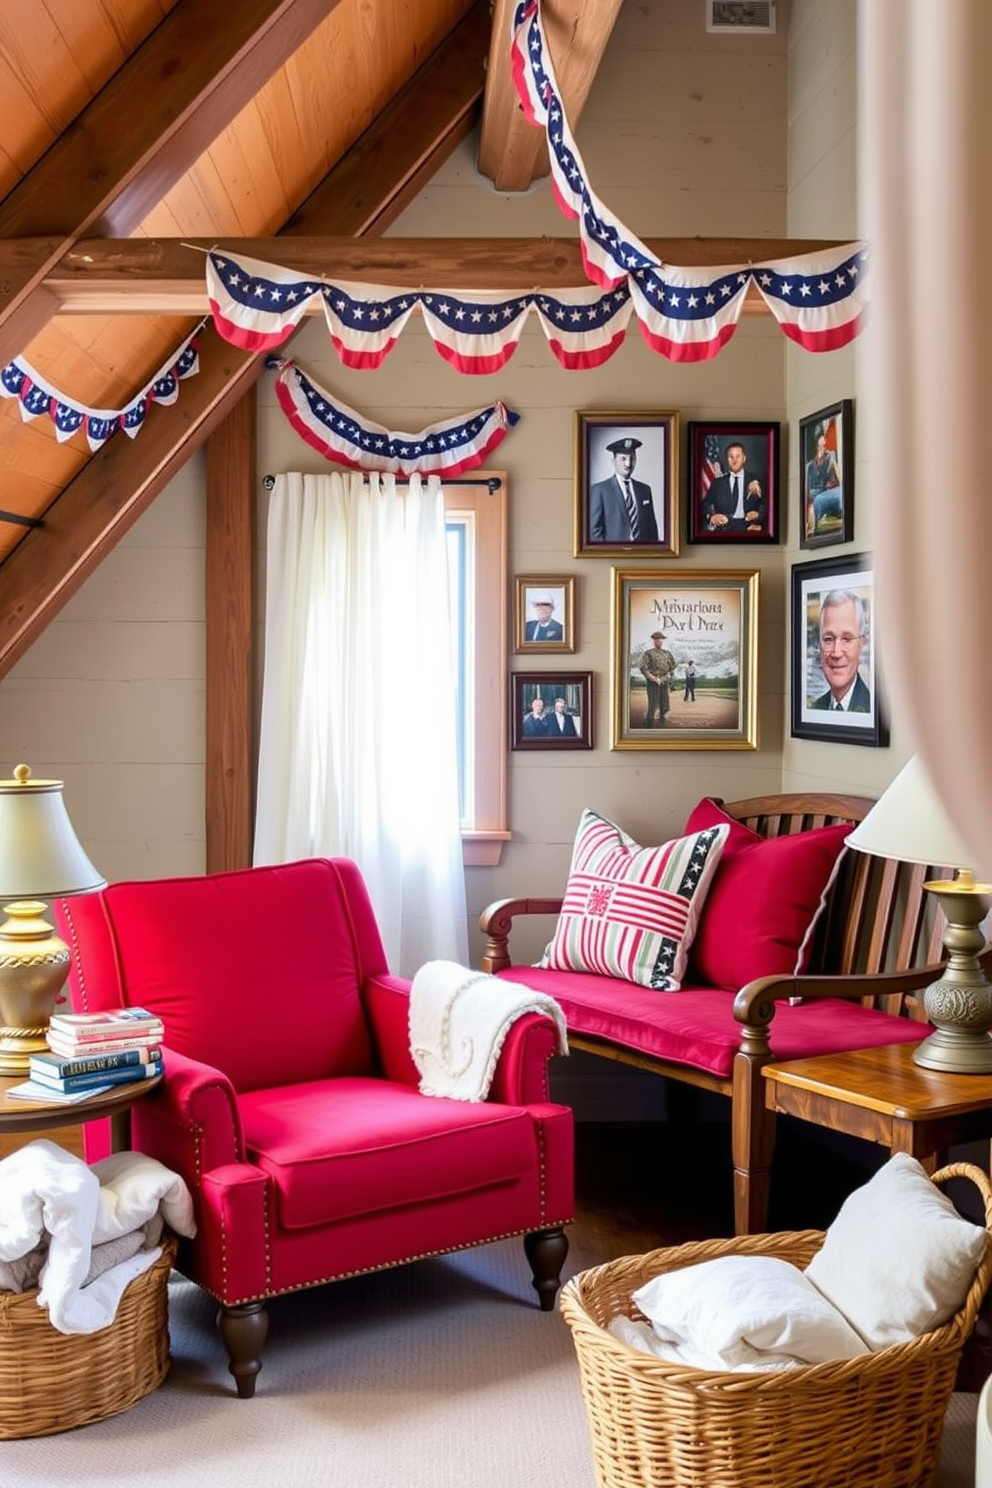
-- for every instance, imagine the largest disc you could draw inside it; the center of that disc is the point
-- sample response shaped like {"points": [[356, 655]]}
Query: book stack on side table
{"points": [[90, 1053]]}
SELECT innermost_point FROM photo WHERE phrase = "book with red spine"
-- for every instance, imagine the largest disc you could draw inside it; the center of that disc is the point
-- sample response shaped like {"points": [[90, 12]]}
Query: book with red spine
{"points": [[117, 1022], [70, 1048]]}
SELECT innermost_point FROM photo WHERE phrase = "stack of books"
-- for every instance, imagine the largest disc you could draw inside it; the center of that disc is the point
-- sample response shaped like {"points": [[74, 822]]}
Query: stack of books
{"points": [[90, 1053]]}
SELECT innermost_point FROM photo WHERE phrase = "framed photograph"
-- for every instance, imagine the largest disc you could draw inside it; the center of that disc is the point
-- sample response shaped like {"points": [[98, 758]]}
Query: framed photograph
{"points": [[544, 613], [626, 480], [835, 682], [551, 710], [733, 486], [826, 476], [685, 659]]}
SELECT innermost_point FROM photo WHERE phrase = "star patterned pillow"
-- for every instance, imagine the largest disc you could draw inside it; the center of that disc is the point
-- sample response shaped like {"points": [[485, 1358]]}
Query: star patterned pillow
{"points": [[629, 911]]}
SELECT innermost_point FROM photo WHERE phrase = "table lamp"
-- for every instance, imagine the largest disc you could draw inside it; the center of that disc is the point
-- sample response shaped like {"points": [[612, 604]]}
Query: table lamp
{"points": [[910, 822], [40, 858]]}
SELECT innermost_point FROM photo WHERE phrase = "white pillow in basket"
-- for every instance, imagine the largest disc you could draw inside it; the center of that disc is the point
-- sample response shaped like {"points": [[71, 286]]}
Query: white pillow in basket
{"points": [[898, 1260], [736, 1310]]}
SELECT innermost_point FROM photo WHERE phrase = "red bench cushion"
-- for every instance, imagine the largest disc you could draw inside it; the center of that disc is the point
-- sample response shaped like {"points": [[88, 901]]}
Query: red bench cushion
{"points": [[764, 901], [698, 1028], [630, 911]]}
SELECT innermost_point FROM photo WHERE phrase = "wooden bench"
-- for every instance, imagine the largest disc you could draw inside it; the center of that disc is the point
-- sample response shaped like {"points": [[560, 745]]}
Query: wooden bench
{"points": [[877, 942]]}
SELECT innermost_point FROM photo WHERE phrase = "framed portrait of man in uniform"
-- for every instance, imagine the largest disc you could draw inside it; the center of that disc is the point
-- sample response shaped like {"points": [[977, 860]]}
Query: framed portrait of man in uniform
{"points": [[626, 479]]}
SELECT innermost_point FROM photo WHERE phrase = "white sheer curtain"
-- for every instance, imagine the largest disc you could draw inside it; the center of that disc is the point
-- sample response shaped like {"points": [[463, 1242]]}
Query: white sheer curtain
{"points": [[926, 127], [357, 755]]}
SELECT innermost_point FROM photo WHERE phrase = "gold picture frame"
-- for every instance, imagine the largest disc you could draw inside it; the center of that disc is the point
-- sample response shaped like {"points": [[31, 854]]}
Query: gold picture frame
{"points": [[643, 446], [702, 691], [544, 613]]}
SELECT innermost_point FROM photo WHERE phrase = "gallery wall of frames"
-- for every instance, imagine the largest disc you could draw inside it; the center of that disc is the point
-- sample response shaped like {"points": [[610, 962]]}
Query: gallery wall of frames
{"points": [[685, 638]]}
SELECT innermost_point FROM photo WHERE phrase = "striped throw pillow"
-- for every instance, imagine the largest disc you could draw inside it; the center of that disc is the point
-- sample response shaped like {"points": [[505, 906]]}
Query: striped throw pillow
{"points": [[629, 911]]}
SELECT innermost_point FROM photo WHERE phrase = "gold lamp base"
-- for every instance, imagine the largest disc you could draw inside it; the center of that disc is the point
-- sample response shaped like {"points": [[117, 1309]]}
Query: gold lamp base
{"points": [[34, 963], [959, 1004]]}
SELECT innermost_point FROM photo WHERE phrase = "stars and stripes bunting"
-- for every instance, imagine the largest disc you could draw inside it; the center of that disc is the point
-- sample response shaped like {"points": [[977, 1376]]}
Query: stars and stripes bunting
{"points": [[38, 399], [341, 434], [818, 299], [256, 305]]}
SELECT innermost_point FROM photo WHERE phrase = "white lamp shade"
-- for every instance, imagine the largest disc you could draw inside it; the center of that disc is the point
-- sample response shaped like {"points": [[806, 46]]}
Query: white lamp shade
{"points": [[40, 854], [910, 822]]}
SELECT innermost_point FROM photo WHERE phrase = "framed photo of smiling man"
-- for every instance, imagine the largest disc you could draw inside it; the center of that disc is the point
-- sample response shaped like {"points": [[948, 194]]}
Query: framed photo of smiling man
{"points": [[835, 678]]}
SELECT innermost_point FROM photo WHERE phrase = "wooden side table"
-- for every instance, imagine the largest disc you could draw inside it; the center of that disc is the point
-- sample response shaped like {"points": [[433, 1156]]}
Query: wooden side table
{"points": [[880, 1094], [29, 1116]]}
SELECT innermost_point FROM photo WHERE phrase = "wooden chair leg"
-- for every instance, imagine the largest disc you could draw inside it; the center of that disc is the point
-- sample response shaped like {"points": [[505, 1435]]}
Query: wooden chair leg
{"points": [[753, 1143], [546, 1251], [243, 1331]]}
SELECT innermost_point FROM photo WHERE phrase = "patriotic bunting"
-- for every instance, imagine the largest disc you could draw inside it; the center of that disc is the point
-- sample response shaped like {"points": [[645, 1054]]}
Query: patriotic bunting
{"points": [[344, 436], [37, 399], [685, 314]]}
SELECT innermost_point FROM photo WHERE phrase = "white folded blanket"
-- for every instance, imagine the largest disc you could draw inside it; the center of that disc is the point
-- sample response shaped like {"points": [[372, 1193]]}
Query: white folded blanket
{"points": [[56, 1217], [459, 1019]]}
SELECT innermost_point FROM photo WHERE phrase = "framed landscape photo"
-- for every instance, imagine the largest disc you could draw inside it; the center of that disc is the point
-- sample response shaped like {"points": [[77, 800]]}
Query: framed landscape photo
{"points": [[835, 681], [733, 486], [551, 710], [685, 659], [826, 476], [626, 482], [544, 613]]}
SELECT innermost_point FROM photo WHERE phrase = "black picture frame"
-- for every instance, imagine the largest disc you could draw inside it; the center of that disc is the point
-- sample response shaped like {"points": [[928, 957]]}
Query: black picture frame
{"points": [[599, 511], [708, 518], [856, 673], [826, 476], [574, 687]]}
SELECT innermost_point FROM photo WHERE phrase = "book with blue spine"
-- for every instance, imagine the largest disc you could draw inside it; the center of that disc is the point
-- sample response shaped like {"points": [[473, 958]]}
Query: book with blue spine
{"points": [[101, 1079], [61, 1067]]}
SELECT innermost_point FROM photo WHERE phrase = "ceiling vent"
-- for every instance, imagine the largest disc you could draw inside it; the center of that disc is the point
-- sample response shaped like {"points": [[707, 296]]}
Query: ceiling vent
{"points": [[741, 15]]}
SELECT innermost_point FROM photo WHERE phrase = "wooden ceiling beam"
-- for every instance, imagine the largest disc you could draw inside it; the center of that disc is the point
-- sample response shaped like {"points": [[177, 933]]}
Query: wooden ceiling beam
{"points": [[167, 275], [512, 152], [122, 479], [141, 133]]}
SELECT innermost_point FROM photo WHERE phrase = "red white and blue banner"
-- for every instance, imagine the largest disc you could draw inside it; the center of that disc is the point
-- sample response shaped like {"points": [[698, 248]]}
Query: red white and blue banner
{"points": [[346, 437], [685, 314], [37, 399]]}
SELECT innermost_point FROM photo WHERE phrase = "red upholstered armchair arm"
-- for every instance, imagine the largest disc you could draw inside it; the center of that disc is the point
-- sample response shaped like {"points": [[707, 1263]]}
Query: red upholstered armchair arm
{"points": [[191, 1122], [521, 1076]]}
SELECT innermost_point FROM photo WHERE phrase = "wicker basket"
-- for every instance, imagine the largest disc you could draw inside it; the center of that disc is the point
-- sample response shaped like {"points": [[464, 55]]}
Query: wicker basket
{"points": [[51, 1381], [871, 1422]]}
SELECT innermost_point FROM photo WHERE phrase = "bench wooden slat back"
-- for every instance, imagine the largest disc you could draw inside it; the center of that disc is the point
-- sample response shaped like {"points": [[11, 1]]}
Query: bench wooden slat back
{"points": [[878, 917]]}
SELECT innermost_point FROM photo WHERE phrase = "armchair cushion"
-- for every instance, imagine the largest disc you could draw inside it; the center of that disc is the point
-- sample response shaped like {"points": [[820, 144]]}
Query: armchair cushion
{"points": [[336, 1149], [630, 911], [764, 901]]}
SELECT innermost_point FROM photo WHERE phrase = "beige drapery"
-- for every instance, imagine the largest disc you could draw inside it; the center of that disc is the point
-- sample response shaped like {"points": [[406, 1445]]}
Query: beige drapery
{"points": [[926, 106]]}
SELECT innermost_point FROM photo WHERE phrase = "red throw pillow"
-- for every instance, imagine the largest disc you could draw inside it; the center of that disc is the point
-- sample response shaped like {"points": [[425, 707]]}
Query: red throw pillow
{"points": [[764, 901]]}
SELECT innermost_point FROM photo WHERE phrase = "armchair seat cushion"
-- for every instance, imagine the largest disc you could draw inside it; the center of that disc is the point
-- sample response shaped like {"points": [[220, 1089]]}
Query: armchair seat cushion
{"points": [[699, 1029], [339, 1148]]}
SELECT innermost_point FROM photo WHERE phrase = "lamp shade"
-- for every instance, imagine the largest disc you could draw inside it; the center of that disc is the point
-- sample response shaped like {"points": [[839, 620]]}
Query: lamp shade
{"points": [[40, 854], [910, 822]]}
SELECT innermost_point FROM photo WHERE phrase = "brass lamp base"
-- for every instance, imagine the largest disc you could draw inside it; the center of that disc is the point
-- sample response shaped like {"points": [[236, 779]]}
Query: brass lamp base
{"points": [[34, 963], [959, 1004]]}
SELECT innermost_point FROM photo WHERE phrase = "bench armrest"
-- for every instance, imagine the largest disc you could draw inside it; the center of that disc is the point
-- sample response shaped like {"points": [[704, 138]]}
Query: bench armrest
{"points": [[496, 922], [754, 1005]]}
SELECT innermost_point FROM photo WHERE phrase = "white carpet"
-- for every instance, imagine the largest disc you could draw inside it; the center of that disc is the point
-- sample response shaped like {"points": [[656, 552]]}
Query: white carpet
{"points": [[438, 1375]]}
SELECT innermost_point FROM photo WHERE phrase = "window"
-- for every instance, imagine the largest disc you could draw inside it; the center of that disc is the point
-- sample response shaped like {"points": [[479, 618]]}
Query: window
{"points": [[476, 519]]}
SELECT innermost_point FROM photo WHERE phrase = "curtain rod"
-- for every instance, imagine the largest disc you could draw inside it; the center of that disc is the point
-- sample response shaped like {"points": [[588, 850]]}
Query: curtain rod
{"points": [[493, 482]]}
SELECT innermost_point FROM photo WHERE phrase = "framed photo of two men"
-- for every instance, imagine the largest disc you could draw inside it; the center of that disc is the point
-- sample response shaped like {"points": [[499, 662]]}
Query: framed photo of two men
{"points": [[626, 484], [835, 681], [733, 486]]}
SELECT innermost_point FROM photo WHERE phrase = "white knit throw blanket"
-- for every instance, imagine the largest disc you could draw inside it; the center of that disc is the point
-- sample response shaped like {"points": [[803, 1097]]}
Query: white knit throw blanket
{"points": [[459, 1019]]}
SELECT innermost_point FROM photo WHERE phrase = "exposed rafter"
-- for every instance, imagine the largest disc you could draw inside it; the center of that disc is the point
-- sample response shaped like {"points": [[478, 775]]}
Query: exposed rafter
{"points": [[124, 476], [167, 275], [195, 72], [513, 153]]}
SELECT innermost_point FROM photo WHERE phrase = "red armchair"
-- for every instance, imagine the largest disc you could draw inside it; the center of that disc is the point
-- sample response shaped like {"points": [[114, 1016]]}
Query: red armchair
{"points": [[290, 1102]]}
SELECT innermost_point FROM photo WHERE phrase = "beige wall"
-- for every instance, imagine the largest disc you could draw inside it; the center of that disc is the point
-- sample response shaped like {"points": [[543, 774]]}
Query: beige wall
{"points": [[684, 133]]}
